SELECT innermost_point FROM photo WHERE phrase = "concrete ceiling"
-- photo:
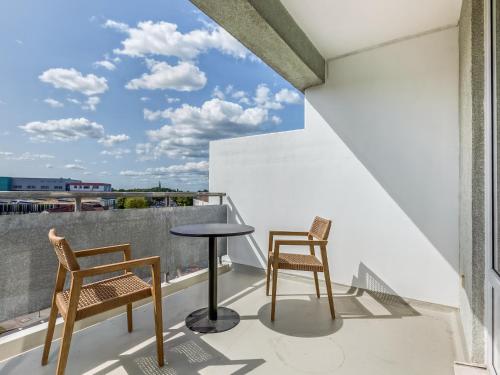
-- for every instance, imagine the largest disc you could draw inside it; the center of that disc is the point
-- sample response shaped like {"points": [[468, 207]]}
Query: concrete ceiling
{"points": [[338, 27]]}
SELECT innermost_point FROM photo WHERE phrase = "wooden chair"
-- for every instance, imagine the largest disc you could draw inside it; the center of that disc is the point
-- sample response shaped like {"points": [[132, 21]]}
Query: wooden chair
{"points": [[317, 236], [84, 300]]}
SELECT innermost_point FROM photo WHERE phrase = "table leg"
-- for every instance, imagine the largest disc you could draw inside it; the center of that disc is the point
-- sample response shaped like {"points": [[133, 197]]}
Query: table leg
{"points": [[212, 278], [212, 319]]}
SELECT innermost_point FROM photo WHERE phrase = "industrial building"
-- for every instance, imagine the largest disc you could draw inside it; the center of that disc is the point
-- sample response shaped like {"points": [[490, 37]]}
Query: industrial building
{"points": [[50, 184]]}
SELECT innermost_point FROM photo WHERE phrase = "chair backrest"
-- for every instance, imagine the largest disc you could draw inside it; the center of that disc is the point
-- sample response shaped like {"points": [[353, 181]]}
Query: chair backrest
{"points": [[320, 228], [63, 251]]}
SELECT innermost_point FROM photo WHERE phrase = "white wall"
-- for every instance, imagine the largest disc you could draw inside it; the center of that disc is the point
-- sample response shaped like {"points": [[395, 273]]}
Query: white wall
{"points": [[378, 155]]}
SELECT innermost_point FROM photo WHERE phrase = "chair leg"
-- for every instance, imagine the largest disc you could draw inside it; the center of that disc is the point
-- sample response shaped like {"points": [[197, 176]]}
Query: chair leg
{"points": [[316, 283], [268, 275], [69, 324], [326, 270], [158, 315], [275, 284], [50, 334], [60, 279], [129, 317]]}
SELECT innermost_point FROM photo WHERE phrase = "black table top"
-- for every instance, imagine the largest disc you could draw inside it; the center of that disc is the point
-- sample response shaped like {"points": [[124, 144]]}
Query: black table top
{"points": [[212, 230]]}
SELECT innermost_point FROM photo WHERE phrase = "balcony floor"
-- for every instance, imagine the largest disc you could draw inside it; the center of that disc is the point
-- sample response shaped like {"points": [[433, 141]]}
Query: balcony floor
{"points": [[373, 334]]}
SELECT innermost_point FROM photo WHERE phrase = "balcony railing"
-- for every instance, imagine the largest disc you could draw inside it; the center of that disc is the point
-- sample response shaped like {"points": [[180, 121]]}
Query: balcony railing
{"points": [[29, 263], [77, 197]]}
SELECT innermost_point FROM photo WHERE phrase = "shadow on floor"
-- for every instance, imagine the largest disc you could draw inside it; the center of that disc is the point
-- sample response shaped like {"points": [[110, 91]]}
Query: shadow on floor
{"points": [[305, 315], [299, 314]]}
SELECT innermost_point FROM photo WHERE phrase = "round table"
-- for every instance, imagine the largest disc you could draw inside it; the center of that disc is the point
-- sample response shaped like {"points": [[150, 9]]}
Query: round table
{"points": [[212, 319]]}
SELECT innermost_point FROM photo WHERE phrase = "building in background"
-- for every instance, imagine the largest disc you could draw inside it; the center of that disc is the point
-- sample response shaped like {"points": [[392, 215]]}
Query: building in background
{"points": [[50, 184], [88, 186]]}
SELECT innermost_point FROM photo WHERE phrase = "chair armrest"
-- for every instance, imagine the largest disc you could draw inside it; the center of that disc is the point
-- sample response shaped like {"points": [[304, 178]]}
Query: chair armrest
{"points": [[273, 233], [279, 243], [300, 242], [287, 233], [103, 250], [120, 266]]}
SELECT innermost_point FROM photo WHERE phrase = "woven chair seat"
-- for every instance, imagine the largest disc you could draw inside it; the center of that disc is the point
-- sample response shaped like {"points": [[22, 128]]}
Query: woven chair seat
{"points": [[298, 262], [105, 294]]}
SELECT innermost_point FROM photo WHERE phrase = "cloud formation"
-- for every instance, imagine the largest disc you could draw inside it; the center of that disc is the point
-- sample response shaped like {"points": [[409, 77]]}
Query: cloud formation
{"points": [[68, 129], [105, 64], [54, 103], [73, 80], [24, 156], [77, 167], [194, 172], [116, 153], [184, 76], [287, 96], [91, 103], [191, 128], [111, 140], [163, 39]]}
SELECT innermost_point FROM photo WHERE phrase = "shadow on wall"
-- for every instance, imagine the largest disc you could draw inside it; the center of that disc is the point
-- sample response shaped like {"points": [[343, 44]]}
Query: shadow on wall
{"points": [[368, 282], [246, 245], [396, 109]]}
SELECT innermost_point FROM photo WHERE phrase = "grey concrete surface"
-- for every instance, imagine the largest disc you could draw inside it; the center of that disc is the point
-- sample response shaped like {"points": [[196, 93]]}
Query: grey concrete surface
{"points": [[266, 28], [28, 263], [472, 210], [373, 334]]}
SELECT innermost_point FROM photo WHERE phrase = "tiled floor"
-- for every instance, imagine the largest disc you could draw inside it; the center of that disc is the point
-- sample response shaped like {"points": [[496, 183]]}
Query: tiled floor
{"points": [[373, 334]]}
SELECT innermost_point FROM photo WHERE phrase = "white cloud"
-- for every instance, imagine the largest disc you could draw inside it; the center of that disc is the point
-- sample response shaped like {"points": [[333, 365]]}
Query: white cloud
{"points": [[54, 103], [77, 167], [111, 140], [116, 153], [287, 96], [186, 171], [49, 166], [163, 38], [193, 127], [73, 80], [73, 100], [120, 26], [153, 115], [262, 98], [24, 156], [238, 94], [105, 64], [218, 93], [69, 129], [144, 98], [172, 100], [91, 103], [276, 120], [245, 101], [182, 77]]}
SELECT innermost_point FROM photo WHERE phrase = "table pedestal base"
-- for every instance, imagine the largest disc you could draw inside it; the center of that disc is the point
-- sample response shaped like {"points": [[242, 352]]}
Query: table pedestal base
{"points": [[226, 319]]}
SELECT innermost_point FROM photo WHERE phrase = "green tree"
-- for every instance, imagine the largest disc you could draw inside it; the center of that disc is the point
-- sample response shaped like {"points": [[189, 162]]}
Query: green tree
{"points": [[183, 201], [139, 202], [120, 203]]}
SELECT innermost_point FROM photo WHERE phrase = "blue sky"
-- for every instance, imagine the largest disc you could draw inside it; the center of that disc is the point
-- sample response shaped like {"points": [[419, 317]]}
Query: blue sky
{"points": [[128, 92]]}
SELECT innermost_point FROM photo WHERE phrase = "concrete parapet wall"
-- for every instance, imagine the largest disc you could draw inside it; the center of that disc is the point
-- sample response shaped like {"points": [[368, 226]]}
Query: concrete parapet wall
{"points": [[28, 263]]}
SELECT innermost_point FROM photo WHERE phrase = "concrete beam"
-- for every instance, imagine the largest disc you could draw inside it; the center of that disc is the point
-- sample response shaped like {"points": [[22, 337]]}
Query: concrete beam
{"points": [[266, 28]]}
